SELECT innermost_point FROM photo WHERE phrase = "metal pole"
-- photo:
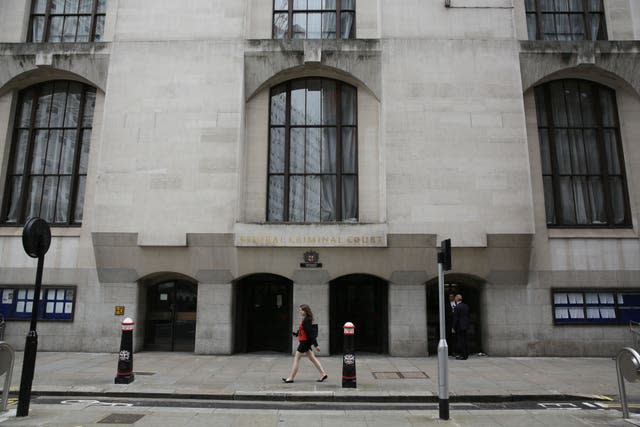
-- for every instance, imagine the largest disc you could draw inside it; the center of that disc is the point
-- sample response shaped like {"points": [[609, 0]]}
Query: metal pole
{"points": [[443, 350], [30, 348]]}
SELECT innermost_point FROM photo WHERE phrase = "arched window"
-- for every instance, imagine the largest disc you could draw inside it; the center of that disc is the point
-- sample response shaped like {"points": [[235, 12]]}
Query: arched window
{"points": [[48, 165], [313, 164], [68, 21], [314, 19], [581, 152], [566, 20]]}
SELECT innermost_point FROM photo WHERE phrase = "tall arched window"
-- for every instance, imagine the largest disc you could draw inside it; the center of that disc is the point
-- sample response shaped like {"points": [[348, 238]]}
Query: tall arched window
{"points": [[313, 163], [49, 155], [69, 21], [314, 19], [581, 152], [566, 20]]}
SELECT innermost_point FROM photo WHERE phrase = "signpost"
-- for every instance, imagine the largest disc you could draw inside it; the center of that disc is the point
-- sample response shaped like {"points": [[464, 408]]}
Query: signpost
{"points": [[444, 264], [36, 239]]}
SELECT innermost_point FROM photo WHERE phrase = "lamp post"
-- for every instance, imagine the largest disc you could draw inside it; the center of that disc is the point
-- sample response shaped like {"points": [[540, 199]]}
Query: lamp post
{"points": [[36, 239]]}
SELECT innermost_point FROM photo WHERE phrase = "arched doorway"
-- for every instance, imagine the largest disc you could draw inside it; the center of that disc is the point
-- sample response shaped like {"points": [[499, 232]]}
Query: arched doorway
{"points": [[171, 316], [363, 300], [263, 314], [471, 293]]}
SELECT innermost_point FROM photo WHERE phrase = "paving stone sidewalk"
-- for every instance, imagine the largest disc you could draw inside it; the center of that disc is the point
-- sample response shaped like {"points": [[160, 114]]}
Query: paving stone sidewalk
{"points": [[248, 376]]}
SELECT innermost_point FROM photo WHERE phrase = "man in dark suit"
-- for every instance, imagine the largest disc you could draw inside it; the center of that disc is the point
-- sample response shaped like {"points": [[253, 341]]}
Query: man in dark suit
{"points": [[449, 307], [460, 326]]}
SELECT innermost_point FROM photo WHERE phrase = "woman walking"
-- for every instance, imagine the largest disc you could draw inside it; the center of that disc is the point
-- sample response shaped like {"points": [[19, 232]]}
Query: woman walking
{"points": [[305, 340]]}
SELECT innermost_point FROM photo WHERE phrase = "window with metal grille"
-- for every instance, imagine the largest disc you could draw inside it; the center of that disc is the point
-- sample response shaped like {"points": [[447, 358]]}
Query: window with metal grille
{"points": [[314, 19], [313, 165], [566, 20], [67, 21], [47, 169], [581, 155]]}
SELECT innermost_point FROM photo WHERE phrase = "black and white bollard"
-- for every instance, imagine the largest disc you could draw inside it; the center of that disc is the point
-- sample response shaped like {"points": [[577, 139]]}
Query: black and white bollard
{"points": [[125, 357], [349, 357]]}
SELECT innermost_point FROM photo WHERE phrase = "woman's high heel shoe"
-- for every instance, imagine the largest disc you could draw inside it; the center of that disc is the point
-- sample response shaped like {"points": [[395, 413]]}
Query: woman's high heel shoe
{"points": [[321, 380], [284, 380]]}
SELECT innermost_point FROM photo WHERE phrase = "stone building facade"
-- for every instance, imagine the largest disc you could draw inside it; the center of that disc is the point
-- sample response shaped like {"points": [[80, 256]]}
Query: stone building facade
{"points": [[207, 166]]}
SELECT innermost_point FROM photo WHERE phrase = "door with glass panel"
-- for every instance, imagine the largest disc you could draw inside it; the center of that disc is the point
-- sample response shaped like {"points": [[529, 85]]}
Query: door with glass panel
{"points": [[171, 316]]}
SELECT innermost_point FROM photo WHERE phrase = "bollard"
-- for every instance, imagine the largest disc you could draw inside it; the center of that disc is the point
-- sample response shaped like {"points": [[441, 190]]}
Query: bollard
{"points": [[125, 357], [349, 357]]}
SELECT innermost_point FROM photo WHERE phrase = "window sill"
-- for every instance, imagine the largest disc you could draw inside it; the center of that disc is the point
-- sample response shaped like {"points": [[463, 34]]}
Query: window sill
{"points": [[590, 233], [7, 231]]}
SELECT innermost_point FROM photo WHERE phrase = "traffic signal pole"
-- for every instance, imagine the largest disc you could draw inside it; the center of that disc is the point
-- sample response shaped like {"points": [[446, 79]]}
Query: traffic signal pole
{"points": [[444, 263]]}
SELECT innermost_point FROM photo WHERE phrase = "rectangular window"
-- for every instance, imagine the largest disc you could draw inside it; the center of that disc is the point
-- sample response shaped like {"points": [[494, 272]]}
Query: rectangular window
{"points": [[56, 303], [596, 306], [67, 21], [565, 19]]}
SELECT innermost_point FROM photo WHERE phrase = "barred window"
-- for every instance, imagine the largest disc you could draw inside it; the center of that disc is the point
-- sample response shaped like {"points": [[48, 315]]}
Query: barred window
{"points": [[566, 20], [314, 19], [581, 155], [50, 152], [313, 166], [67, 21]]}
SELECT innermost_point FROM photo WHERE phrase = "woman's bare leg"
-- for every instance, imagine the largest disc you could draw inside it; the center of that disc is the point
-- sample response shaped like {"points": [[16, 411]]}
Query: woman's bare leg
{"points": [[296, 365], [312, 357]]}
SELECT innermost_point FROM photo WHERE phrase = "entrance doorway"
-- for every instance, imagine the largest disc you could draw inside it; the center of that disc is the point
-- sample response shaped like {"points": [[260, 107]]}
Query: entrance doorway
{"points": [[171, 316], [263, 314], [362, 300], [471, 296]]}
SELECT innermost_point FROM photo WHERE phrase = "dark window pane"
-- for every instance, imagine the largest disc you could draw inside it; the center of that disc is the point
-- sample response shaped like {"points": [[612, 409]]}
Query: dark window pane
{"points": [[328, 4], [44, 106], [53, 152], [329, 153], [71, 6], [548, 200], [89, 103], [577, 27], [349, 198], [563, 154], [595, 6], [567, 207], [299, 4], [558, 104], [328, 207], [328, 102], [314, 26], [575, 6], [68, 152], [83, 167], [62, 206], [72, 113], [329, 25], [530, 5], [35, 194], [276, 151], [57, 6], [20, 152], [50, 192], [611, 148], [314, 108], [597, 27], [102, 6], [581, 197], [40, 6], [299, 25], [37, 31], [39, 152], [618, 200], [85, 6], [346, 25], [562, 5], [313, 193], [296, 199], [82, 180], [281, 5], [572, 98], [586, 102], [296, 153], [84, 28], [348, 150], [348, 4], [348, 105], [545, 152], [278, 105], [578, 155], [58, 106], [55, 29], [593, 153], [314, 150], [531, 26], [99, 28], [607, 105], [276, 198], [547, 5], [314, 4], [280, 25], [596, 197], [549, 27], [298, 102], [15, 187]]}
